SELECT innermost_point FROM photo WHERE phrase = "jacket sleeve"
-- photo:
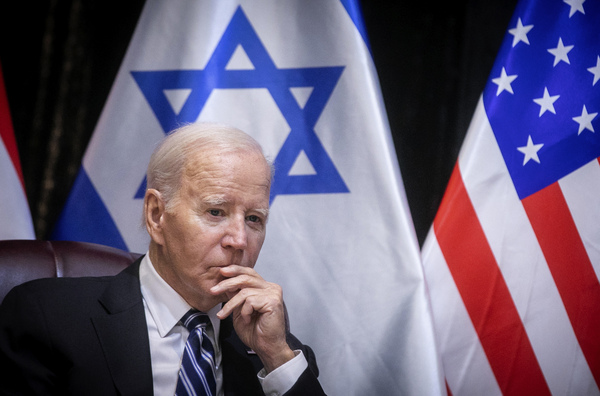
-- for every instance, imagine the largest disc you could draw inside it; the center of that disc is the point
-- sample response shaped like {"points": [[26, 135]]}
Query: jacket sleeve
{"points": [[308, 383]]}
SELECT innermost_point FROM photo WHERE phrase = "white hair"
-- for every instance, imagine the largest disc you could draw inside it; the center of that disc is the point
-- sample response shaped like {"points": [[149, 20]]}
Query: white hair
{"points": [[168, 161]]}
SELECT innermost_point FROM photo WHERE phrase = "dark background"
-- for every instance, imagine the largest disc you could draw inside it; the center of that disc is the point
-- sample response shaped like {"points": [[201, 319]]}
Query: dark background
{"points": [[60, 57]]}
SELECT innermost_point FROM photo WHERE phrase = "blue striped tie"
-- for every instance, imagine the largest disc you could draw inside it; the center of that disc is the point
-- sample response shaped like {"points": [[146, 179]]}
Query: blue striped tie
{"points": [[197, 373]]}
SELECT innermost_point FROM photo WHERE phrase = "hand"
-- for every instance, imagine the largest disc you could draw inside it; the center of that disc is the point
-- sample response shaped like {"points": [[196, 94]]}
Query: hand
{"points": [[258, 313]]}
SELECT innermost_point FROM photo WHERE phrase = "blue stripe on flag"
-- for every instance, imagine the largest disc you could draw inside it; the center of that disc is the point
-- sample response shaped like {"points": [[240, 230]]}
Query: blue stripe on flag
{"points": [[353, 9], [85, 217]]}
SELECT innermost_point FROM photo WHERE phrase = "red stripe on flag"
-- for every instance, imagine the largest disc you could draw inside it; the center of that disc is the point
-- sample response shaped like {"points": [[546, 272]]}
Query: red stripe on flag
{"points": [[485, 294], [570, 266], [7, 133], [448, 391]]}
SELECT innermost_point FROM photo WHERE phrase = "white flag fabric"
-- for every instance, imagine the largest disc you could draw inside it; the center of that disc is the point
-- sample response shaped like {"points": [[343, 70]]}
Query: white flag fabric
{"points": [[298, 76], [512, 261], [15, 218]]}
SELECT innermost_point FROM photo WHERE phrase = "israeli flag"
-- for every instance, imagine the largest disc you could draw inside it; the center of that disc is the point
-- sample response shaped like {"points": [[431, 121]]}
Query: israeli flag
{"points": [[298, 76]]}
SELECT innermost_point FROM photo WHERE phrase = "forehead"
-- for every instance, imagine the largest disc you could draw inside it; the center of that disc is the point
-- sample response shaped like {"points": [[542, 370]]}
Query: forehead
{"points": [[241, 173]]}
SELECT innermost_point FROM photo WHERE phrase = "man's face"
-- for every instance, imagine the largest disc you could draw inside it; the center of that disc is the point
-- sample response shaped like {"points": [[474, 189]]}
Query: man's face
{"points": [[219, 219]]}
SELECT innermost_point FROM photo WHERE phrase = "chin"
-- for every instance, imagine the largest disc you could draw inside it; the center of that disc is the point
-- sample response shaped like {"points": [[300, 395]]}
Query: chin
{"points": [[213, 301]]}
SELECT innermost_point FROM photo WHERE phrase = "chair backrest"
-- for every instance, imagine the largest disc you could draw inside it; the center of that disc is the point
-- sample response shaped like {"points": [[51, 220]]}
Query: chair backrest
{"points": [[24, 260]]}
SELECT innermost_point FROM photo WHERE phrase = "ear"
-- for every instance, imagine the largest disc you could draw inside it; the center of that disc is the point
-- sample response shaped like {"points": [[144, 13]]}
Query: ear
{"points": [[154, 210]]}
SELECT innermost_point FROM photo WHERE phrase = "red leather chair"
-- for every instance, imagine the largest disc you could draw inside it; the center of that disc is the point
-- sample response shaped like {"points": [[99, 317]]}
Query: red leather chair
{"points": [[24, 260]]}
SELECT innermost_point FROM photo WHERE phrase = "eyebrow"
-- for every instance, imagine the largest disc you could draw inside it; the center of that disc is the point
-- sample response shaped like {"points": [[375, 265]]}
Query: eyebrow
{"points": [[214, 200], [264, 212]]}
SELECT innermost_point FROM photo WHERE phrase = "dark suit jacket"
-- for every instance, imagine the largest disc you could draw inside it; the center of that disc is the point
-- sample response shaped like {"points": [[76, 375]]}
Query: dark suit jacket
{"points": [[88, 336]]}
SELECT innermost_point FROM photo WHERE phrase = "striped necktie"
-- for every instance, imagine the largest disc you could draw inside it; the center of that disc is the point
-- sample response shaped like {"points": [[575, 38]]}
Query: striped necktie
{"points": [[197, 372]]}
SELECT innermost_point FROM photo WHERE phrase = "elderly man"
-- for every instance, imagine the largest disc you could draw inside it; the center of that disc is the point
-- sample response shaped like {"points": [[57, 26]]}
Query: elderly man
{"points": [[190, 317]]}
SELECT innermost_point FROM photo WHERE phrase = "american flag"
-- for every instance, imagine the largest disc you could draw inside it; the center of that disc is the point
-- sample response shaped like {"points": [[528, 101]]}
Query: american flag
{"points": [[512, 260]]}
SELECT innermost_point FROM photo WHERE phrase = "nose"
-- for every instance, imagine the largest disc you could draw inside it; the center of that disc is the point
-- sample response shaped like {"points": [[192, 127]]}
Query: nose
{"points": [[235, 235]]}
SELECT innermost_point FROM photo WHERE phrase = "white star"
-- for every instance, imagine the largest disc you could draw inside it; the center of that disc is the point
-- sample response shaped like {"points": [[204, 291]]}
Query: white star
{"points": [[520, 33], [585, 120], [503, 82], [560, 52], [546, 102], [595, 71], [530, 151], [576, 5]]}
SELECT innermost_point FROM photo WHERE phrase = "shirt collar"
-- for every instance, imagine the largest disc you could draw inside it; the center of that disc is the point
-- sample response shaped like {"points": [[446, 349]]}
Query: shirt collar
{"points": [[165, 305]]}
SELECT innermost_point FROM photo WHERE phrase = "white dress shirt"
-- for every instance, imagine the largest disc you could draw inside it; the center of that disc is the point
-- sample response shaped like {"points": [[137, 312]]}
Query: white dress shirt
{"points": [[164, 308]]}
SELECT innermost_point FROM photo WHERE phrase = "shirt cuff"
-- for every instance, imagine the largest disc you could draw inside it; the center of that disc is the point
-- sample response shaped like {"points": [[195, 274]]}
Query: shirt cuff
{"points": [[281, 380]]}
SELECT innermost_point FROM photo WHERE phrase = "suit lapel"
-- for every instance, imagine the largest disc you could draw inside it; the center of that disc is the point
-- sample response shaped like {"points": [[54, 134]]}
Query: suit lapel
{"points": [[123, 334]]}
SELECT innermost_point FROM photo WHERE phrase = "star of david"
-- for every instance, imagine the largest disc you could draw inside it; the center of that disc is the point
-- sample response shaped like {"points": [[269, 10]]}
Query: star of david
{"points": [[278, 82]]}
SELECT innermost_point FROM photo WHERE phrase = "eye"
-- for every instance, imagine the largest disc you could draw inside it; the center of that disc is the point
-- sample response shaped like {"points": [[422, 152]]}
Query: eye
{"points": [[253, 219], [215, 212]]}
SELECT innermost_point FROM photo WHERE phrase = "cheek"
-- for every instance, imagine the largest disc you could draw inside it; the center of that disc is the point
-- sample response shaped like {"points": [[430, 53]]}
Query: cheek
{"points": [[199, 242], [254, 247], [259, 238], [201, 256]]}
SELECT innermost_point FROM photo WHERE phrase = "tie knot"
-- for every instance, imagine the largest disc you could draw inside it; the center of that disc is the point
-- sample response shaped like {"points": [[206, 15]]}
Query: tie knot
{"points": [[194, 319]]}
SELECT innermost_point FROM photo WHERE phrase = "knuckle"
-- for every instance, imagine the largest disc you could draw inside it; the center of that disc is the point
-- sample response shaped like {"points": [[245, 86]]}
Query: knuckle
{"points": [[276, 289]]}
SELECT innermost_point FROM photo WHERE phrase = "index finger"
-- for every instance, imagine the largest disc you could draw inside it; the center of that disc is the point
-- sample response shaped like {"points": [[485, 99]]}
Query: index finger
{"points": [[235, 270], [237, 277]]}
